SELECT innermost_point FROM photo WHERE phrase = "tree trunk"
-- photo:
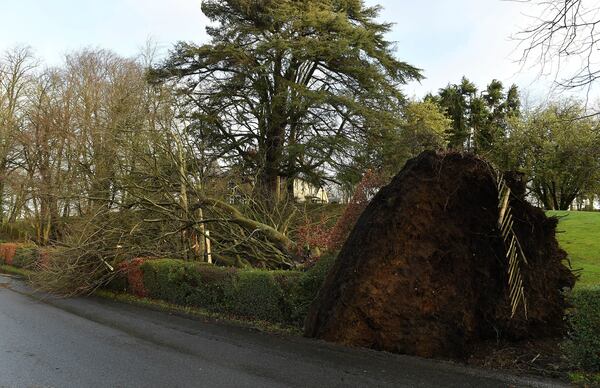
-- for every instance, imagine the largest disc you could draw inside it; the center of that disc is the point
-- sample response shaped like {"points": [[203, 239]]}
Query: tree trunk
{"points": [[268, 180], [2, 216]]}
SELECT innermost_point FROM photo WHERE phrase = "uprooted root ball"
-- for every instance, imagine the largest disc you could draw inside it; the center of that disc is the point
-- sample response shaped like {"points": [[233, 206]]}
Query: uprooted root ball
{"points": [[424, 271]]}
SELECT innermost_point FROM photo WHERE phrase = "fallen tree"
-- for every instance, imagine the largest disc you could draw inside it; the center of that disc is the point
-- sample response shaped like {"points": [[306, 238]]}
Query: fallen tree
{"points": [[427, 270]]}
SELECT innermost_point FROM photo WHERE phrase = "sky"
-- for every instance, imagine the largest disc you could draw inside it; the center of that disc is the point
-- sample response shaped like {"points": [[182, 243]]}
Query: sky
{"points": [[446, 39]]}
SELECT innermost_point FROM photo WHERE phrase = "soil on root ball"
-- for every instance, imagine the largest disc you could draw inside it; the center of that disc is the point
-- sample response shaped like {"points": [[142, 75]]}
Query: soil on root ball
{"points": [[424, 271]]}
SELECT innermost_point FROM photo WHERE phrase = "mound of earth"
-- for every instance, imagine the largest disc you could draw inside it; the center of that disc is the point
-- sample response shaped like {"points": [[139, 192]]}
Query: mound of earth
{"points": [[424, 270]]}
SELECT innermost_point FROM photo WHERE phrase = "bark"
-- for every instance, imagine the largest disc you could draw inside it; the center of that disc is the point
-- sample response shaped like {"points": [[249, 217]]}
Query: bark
{"points": [[268, 180]]}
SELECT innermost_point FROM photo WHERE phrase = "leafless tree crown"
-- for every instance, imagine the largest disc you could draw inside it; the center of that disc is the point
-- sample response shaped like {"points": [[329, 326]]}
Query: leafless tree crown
{"points": [[563, 39]]}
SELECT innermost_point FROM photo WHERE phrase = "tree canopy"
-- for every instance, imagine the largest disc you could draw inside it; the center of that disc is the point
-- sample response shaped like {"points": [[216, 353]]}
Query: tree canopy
{"points": [[558, 150], [284, 88], [479, 119]]}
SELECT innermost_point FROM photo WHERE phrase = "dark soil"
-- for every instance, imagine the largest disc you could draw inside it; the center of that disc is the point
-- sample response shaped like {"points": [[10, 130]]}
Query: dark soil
{"points": [[424, 271]]}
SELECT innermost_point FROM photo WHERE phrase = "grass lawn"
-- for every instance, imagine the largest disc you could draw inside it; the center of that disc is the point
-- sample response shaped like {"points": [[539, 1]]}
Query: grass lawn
{"points": [[579, 235]]}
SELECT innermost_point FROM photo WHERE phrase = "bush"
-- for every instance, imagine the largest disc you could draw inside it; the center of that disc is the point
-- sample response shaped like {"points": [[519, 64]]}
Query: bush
{"points": [[209, 286], [583, 346], [189, 283], [7, 252], [264, 295], [135, 277], [308, 286], [275, 296], [26, 257]]}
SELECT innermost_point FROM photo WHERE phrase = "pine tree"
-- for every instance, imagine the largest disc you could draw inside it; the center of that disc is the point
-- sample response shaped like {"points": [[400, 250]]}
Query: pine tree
{"points": [[479, 119]]}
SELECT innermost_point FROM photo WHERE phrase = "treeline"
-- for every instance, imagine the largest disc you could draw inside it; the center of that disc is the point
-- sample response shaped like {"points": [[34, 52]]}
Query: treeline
{"points": [[72, 136]]}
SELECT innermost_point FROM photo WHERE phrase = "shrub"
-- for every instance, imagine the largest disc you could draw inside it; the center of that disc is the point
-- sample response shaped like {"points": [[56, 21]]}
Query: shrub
{"points": [[275, 296], [26, 257], [189, 283], [307, 288], [364, 191], [583, 345], [7, 252], [264, 295], [288, 282], [161, 280], [135, 276], [210, 286], [311, 238]]}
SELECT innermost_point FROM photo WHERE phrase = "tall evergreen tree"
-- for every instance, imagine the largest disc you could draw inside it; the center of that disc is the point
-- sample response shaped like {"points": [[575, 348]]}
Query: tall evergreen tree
{"points": [[457, 99], [285, 87], [479, 119]]}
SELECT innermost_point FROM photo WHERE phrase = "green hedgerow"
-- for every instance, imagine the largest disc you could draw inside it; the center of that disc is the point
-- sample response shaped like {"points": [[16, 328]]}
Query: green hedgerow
{"points": [[251, 293], [583, 345], [275, 296], [263, 294], [210, 287], [189, 283], [308, 287]]}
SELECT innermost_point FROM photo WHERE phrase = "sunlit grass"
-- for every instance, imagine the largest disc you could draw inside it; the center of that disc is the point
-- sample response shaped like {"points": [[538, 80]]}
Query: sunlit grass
{"points": [[579, 235]]}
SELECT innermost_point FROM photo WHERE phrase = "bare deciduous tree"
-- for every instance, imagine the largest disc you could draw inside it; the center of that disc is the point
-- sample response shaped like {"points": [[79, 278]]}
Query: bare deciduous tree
{"points": [[16, 71], [564, 39]]}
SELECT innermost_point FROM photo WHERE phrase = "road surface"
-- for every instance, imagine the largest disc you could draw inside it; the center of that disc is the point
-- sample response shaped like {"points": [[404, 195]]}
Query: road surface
{"points": [[89, 342]]}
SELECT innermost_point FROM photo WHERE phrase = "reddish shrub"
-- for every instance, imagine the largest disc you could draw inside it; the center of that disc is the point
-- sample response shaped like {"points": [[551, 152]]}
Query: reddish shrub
{"points": [[311, 237], [7, 252], [135, 276], [44, 258], [368, 186]]}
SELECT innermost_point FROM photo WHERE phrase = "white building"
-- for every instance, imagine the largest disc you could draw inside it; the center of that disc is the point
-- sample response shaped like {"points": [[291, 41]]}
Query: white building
{"points": [[305, 191]]}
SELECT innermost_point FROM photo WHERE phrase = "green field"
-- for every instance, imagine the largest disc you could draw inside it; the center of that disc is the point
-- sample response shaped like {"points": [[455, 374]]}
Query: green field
{"points": [[579, 235]]}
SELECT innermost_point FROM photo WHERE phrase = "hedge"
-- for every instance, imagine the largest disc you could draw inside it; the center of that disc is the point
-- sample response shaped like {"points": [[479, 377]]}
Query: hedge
{"points": [[22, 255], [188, 283], [583, 345], [276, 296], [7, 252]]}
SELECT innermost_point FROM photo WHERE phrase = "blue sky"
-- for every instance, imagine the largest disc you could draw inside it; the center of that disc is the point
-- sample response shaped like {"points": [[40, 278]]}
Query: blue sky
{"points": [[447, 39]]}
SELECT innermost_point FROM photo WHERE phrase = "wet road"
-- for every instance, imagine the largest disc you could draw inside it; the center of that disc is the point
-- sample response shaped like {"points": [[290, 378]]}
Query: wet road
{"points": [[89, 342]]}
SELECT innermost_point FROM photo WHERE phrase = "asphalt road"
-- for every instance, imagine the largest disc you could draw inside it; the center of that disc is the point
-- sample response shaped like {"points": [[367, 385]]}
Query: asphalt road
{"points": [[89, 342]]}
